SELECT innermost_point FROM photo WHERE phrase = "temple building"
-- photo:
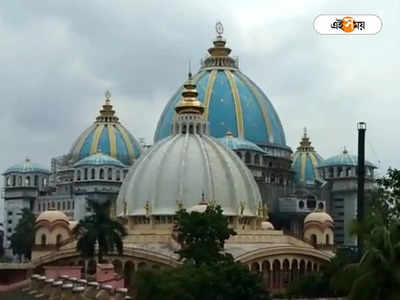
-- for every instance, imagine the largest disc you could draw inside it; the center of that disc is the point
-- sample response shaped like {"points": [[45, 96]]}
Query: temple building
{"points": [[219, 141]]}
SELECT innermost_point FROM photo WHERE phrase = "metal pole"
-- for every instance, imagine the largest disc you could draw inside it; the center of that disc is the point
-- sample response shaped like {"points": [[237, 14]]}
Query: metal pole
{"points": [[362, 127]]}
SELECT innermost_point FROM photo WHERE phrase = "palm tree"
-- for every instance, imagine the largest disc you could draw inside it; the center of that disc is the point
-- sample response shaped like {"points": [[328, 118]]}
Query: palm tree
{"points": [[99, 228], [377, 275]]}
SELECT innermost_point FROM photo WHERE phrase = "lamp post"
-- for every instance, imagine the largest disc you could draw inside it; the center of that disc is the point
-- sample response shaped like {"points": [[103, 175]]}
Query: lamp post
{"points": [[362, 127]]}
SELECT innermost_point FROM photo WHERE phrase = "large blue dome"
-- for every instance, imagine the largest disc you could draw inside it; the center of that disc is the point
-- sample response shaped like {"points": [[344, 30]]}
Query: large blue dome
{"points": [[108, 136], [232, 102]]}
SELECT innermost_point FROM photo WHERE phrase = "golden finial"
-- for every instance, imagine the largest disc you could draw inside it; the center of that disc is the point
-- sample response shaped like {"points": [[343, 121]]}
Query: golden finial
{"points": [[260, 210], [229, 133], [219, 53], [107, 94], [241, 208], [179, 204], [305, 144], [107, 114], [219, 28], [147, 207], [189, 102], [27, 159], [265, 211]]}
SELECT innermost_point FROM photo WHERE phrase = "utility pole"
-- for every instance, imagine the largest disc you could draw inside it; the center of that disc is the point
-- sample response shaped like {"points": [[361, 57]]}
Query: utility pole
{"points": [[362, 127]]}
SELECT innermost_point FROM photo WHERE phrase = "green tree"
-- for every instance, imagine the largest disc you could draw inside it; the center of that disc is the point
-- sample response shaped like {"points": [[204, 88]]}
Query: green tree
{"points": [[202, 235], [23, 238], [99, 229], [318, 284], [207, 271], [377, 274]]}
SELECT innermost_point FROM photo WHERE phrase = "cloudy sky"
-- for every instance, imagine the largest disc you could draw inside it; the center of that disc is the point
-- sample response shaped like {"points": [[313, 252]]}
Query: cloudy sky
{"points": [[58, 57]]}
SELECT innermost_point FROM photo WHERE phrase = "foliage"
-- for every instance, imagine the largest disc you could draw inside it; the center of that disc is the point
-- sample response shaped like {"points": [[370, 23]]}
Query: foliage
{"points": [[226, 280], [389, 191], [319, 284], [377, 274], [207, 272], [100, 229], [23, 238], [202, 235]]}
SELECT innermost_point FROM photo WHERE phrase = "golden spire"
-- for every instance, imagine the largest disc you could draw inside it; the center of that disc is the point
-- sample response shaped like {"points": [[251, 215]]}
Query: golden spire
{"points": [[219, 54], [107, 114], [305, 144], [189, 103]]}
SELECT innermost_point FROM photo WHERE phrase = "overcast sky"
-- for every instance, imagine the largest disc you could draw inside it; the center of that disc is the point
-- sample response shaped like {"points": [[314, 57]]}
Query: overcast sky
{"points": [[58, 57]]}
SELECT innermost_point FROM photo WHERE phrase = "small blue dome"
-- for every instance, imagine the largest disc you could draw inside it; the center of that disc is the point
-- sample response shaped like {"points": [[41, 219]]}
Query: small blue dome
{"points": [[232, 103], [344, 159], [99, 159], [235, 143], [108, 136], [305, 162], [27, 167]]}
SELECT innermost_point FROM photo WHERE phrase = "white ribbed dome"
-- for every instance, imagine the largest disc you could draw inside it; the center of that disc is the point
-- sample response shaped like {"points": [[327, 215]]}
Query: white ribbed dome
{"points": [[178, 169]]}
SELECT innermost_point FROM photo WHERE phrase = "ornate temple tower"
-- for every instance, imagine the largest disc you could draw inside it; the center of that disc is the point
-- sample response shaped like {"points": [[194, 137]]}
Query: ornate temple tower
{"points": [[241, 115]]}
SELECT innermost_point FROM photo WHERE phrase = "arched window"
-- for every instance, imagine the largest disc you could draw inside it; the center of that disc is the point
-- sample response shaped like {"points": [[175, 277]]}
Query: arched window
{"points": [[53, 205], [247, 158], [327, 242], [43, 240], [85, 176], [13, 180], [101, 173], [330, 172], [8, 181], [39, 207], [78, 175], [36, 180], [272, 178], [58, 205], [58, 240], [19, 180], [27, 180], [48, 205], [256, 159], [93, 174], [118, 175], [109, 174], [63, 205], [314, 240], [191, 129]]}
